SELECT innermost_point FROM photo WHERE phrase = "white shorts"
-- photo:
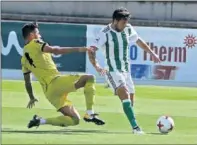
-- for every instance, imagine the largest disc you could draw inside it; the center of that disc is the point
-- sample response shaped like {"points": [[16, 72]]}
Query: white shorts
{"points": [[118, 79]]}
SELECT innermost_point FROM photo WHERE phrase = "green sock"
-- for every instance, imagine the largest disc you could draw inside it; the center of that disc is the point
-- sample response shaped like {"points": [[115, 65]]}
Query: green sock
{"points": [[128, 110]]}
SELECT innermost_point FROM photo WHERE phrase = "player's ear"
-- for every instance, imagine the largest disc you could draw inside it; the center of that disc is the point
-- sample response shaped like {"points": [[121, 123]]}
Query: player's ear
{"points": [[31, 34]]}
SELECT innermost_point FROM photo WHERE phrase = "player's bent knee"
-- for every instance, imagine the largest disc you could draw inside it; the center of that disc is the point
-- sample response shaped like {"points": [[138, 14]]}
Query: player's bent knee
{"points": [[83, 80], [122, 92]]}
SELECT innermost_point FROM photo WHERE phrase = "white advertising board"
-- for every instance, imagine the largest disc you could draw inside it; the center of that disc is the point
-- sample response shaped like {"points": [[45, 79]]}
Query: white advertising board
{"points": [[177, 49]]}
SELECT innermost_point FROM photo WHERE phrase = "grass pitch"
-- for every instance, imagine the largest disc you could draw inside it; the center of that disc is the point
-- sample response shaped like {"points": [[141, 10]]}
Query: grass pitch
{"points": [[150, 103]]}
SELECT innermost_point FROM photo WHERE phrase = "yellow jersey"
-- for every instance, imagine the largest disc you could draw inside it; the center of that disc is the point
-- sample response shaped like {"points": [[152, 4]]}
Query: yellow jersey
{"points": [[39, 63]]}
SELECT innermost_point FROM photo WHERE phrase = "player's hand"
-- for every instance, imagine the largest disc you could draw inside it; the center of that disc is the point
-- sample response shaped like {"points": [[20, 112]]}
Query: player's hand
{"points": [[92, 49], [100, 70], [31, 103], [156, 58]]}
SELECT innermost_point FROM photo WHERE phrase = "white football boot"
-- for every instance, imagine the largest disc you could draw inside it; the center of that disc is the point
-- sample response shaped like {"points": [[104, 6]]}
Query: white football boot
{"points": [[138, 131]]}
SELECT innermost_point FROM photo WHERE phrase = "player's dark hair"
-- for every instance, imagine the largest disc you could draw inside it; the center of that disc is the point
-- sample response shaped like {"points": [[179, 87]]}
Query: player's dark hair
{"points": [[28, 28], [121, 13]]}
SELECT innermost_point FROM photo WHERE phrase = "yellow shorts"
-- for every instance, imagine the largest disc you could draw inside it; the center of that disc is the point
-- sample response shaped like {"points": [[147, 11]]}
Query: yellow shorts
{"points": [[59, 88]]}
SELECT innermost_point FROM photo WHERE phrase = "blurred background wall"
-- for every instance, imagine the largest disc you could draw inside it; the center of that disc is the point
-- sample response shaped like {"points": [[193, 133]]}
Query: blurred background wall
{"points": [[144, 13]]}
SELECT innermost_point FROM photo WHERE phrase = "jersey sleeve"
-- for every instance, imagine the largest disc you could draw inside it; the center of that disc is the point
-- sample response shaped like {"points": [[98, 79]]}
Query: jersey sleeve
{"points": [[40, 44], [99, 40], [25, 70], [133, 36]]}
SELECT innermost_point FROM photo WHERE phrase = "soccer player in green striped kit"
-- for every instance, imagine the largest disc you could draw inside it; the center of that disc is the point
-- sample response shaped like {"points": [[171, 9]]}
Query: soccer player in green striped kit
{"points": [[114, 41]]}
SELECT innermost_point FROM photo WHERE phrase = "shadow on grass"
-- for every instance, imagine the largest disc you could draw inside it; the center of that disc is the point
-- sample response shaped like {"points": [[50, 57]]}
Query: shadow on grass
{"points": [[63, 131], [156, 133]]}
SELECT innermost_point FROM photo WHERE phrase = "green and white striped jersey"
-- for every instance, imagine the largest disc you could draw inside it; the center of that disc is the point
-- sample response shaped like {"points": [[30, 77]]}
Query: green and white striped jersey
{"points": [[115, 46]]}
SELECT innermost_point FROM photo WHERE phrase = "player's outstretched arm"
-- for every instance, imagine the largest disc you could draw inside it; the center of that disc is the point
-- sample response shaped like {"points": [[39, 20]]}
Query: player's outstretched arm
{"points": [[63, 50], [141, 43], [29, 90]]}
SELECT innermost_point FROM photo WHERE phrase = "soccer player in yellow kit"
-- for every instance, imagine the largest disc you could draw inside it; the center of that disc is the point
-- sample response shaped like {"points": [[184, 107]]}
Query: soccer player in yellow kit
{"points": [[37, 59]]}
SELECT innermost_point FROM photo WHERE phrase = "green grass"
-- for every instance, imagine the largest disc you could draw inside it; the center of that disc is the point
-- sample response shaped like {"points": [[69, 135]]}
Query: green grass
{"points": [[151, 102]]}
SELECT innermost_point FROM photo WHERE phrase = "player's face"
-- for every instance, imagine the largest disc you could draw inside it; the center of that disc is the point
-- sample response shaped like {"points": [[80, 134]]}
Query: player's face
{"points": [[121, 24], [36, 34]]}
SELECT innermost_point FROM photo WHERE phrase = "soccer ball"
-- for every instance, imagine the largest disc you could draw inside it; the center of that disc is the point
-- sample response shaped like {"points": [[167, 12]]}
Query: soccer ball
{"points": [[165, 124]]}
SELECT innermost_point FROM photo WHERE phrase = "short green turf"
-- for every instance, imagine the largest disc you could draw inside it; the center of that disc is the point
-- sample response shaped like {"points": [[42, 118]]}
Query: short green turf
{"points": [[150, 103]]}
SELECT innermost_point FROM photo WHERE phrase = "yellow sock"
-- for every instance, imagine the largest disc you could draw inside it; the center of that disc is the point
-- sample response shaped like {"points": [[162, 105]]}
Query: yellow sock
{"points": [[89, 92], [62, 121]]}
